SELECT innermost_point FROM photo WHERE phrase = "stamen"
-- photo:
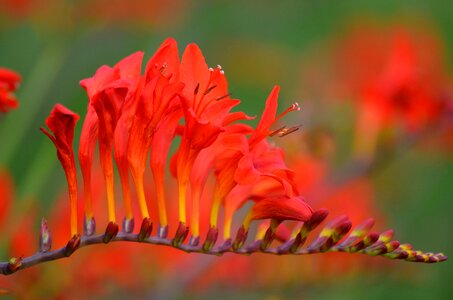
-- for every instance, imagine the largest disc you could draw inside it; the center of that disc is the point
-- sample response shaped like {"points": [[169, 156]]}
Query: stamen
{"points": [[209, 90], [283, 131], [287, 131], [224, 96], [195, 92], [294, 107], [163, 68], [274, 132]]}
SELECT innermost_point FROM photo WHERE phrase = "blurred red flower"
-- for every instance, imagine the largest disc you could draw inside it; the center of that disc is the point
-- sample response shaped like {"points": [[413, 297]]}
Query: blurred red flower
{"points": [[9, 81]]}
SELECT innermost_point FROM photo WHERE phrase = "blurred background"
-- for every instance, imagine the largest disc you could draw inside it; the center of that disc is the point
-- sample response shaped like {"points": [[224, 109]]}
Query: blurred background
{"points": [[373, 78]]}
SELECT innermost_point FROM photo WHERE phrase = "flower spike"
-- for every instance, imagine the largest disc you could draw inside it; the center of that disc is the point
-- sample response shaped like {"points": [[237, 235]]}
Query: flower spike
{"points": [[137, 117]]}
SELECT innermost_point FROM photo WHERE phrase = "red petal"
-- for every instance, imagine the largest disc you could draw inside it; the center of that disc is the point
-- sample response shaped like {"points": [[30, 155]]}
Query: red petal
{"points": [[282, 208], [268, 116], [194, 72], [166, 59], [9, 79], [93, 85]]}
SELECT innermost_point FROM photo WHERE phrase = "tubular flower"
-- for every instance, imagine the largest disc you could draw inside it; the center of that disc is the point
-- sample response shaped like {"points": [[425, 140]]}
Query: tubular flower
{"points": [[9, 81], [141, 115], [61, 123], [108, 91], [206, 103], [157, 115]]}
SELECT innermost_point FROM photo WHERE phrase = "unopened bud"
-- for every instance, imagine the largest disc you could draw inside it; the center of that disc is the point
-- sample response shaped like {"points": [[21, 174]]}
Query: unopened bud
{"points": [[211, 238], [341, 230], [368, 240], [316, 219], [145, 229], [45, 240], [72, 245], [110, 232], [128, 225], [90, 226], [386, 236], [359, 232], [331, 234]]}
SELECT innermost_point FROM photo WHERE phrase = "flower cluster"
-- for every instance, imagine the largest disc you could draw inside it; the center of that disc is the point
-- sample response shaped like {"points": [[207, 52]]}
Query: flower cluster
{"points": [[178, 116], [134, 116]]}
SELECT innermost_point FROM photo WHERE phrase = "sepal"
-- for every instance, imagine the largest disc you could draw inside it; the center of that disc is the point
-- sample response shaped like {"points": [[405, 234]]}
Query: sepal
{"points": [[180, 235], [110, 232], [72, 245], [145, 230]]}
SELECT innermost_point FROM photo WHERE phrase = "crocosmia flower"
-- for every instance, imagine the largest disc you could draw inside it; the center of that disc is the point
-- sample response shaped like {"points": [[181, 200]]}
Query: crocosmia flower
{"points": [[61, 122], [178, 116], [9, 81]]}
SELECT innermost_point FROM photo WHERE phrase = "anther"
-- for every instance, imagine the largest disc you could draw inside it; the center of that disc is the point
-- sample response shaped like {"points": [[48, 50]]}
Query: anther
{"points": [[195, 92], [287, 131], [209, 90], [224, 96], [163, 68], [278, 131]]}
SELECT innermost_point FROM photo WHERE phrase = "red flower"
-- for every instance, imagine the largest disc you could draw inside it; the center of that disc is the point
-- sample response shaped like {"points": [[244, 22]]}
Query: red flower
{"points": [[61, 123], [9, 81], [108, 91], [206, 103], [156, 114], [402, 81], [406, 88]]}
